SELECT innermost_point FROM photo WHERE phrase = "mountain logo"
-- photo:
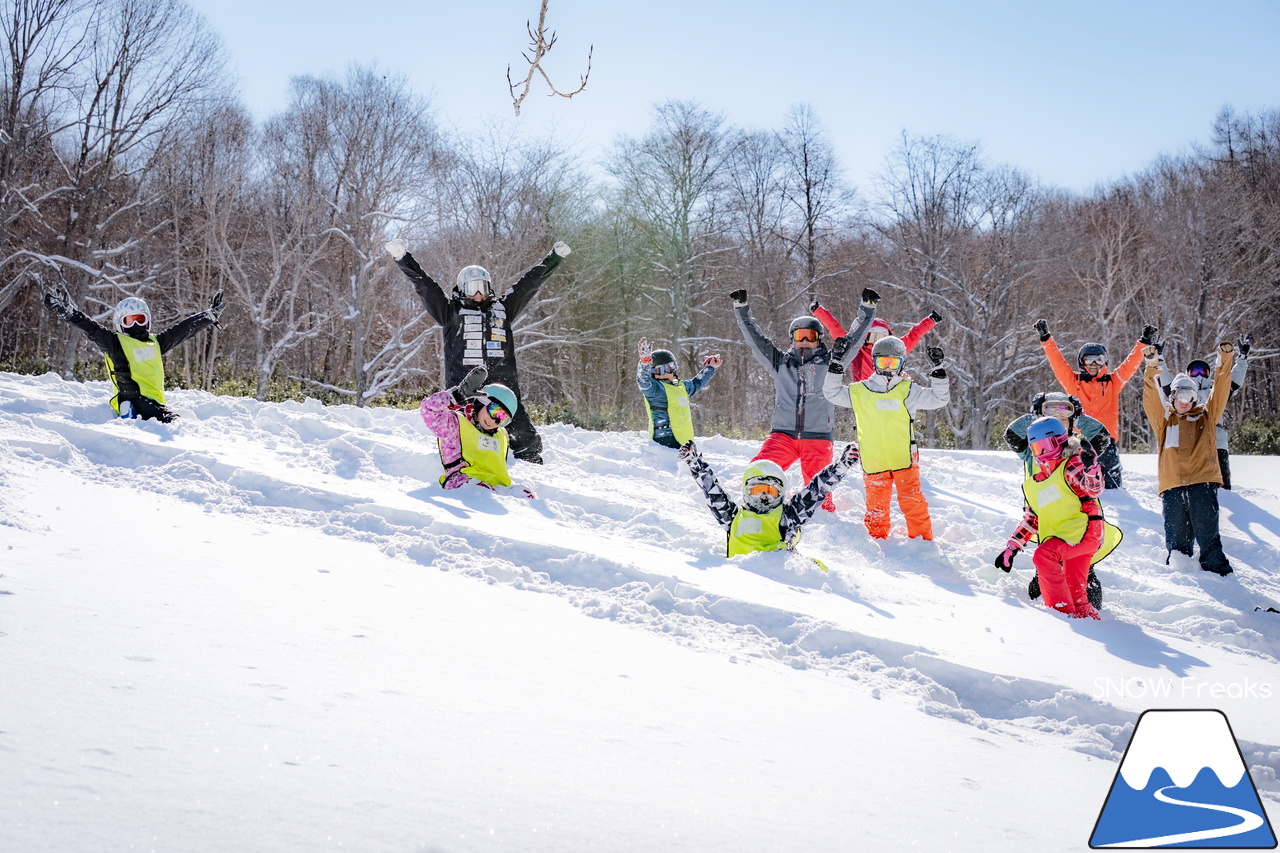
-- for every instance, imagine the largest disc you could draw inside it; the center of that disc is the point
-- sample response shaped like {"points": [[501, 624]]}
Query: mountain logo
{"points": [[1183, 783]]}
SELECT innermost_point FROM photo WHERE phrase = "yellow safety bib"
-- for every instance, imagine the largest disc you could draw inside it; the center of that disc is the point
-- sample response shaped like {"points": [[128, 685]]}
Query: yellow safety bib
{"points": [[485, 455], [751, 532], [678, 411], [884, 427], [145, 366], [1060, 513]]}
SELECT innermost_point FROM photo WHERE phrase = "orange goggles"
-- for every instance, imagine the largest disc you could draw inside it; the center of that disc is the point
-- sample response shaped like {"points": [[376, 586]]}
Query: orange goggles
{"points": [[888, 362], [801, 335], [133, 320], [764, 489]]}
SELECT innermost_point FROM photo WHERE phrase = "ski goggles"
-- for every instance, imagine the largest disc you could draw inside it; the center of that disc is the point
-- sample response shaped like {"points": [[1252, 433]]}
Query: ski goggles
{"points": [[803, 335], [1058, 409], [888, 363], [473, 286], [498, 413], [1198, 371], [764, 488], [1050, 446], [661, 370], [133, 320], [1099, 360], [875, 335]]}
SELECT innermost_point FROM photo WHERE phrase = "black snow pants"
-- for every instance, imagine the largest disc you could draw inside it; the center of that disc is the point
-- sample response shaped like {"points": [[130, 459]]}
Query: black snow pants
{"points": [[525, 442], [1191, 514], [1110, 462]]}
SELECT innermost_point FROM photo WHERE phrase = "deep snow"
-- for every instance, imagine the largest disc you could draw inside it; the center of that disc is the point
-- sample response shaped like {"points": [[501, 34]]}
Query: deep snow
{"points": [[266, 628]]}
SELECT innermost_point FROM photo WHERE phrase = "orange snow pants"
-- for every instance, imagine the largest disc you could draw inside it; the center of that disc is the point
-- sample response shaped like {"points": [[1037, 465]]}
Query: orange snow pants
{"points": [[879, 488], [1064, 570]]}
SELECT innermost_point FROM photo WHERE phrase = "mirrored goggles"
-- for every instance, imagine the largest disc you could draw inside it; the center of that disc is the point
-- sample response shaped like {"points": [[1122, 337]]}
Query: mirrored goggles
{"points": [[1050, 446], [764, 488], [1184, 395], [1058, 409], [498, 413], [133, 320], [888, 362], [662, 370], [801, 335], [1100, 360], [472, 286], [1198, 371]]}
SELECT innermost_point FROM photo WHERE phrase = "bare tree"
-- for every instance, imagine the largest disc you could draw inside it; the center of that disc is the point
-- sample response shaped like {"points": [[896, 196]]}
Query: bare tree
{"points": [[540, 43], [813, 191]]}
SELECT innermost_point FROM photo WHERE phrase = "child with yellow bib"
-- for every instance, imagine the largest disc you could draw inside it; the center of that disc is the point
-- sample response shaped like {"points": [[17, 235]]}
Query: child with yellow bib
{"points": [[666, 397]]}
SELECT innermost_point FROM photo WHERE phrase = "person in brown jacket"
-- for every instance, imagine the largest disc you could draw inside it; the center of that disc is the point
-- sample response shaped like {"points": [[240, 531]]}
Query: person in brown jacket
{"points": [[1187, 447]]}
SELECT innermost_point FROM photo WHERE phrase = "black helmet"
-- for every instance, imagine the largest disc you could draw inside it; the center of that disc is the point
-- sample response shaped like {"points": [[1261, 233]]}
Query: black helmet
{"points": [[806, 322], [1038, 401], [1090, 350], [661, 358]]}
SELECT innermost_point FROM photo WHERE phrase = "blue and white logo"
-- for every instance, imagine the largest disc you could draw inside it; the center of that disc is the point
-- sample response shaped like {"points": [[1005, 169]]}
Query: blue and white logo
{"points": [[1183, 783]]}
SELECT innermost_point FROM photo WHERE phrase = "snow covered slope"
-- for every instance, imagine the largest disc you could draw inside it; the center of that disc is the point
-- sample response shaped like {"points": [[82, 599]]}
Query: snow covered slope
{"points": [[266, 628]]}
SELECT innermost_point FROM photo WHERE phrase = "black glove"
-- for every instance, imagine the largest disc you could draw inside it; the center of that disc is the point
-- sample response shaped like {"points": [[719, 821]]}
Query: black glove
{"points": [[835, 367], [935, 355], [739, 296], [215, 310], [1244, 344], [148, 408], [840, 349], [935, 316], [849, 456], [869, 296], [687, 451], [1148, 337], [59, 304], [1043, 328], [814, 306], [1088, 456], [470, 385], [1004, 561]]}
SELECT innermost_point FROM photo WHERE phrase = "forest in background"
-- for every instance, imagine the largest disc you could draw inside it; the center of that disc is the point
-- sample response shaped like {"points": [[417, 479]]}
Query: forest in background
{"points": [[129, 168]]}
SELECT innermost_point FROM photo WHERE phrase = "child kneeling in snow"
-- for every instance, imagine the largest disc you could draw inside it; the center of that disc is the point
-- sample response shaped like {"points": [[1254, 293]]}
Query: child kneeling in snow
{"points": [[764, 521], [1062, 512], [469, 424]]}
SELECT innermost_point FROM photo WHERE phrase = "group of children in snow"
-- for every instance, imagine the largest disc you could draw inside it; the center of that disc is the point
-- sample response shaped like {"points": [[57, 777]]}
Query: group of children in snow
{"points": [[1066, 442]]}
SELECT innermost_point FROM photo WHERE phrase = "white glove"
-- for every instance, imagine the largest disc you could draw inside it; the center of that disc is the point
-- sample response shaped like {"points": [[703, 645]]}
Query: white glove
{"points": [[561, 248], [397, 249]]}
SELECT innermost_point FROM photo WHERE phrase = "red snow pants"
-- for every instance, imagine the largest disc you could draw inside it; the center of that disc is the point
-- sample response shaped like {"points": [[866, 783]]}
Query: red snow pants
{"points": [[911, 501], [1064, 570], [814, 454]]}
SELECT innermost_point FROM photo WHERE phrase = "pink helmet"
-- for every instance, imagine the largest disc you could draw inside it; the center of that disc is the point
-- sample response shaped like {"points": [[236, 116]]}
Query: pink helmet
{"points": [[879, 327]]}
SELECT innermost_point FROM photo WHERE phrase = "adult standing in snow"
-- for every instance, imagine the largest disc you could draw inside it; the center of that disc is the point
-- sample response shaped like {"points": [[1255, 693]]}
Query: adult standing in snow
{"points": [[1186, 442], [1096, 387], [803, 424], [470, 423], [861, 366], [1202, 372], [666, 398], [765, 520], [1063, 514], [884, 407], [134, 356], [477, 328]]}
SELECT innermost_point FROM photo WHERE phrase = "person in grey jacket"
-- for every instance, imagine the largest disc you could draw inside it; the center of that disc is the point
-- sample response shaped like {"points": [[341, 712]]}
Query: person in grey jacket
{"points": [[803, 424]]}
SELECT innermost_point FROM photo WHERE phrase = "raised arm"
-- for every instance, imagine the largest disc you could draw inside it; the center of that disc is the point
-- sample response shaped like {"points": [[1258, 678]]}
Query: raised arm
{"points": [[801, 506], [60, 306], [721, 505], [761, 347], [527, 287], [1221, 382], [433, 298]]}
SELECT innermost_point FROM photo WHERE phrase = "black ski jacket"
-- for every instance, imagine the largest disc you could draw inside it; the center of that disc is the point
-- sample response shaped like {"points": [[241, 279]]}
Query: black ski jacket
{"points": [[107, 341], [478, 333]]}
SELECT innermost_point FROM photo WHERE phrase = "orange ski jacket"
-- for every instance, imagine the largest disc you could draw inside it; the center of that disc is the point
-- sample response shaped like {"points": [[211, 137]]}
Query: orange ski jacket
{"points": [[1099, 395]]}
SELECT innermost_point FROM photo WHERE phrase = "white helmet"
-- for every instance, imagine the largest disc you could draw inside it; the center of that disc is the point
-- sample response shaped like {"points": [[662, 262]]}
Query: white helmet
{"points": [[131, 308], [473, 280], [768, 481]]}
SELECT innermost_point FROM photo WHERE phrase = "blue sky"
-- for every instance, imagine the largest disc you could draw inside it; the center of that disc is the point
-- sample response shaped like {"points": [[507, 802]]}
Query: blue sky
{"points": [[1072, 93]]}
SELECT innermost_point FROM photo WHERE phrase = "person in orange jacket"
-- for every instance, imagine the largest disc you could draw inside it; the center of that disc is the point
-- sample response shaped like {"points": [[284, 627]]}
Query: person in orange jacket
{"points": [[1098, 389], [861, 366]]}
